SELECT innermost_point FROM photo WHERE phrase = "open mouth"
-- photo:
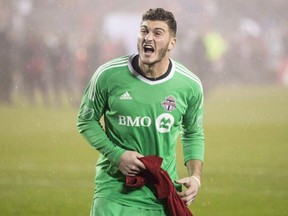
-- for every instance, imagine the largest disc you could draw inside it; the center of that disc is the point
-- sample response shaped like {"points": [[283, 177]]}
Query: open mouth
{"points": [[148, 49]]}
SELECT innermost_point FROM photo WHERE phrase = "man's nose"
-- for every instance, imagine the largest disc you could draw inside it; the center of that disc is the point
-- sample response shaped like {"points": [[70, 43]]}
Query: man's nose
{"points": [[148, 37]]}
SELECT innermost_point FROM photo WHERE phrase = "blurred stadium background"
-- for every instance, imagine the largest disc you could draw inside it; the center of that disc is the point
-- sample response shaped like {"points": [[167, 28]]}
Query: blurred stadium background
{"points": [[49, 49]]}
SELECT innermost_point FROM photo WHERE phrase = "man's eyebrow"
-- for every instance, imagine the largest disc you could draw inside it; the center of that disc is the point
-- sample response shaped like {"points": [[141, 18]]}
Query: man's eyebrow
{"points": [[160, 29], [157, 28]]}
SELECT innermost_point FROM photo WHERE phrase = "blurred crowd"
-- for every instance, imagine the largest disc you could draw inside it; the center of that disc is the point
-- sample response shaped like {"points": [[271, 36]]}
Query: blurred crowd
{"points": [[50, 49]]}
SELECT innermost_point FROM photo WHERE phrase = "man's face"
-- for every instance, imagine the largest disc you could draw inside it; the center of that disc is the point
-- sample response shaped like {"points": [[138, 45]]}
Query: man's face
{"points": [[154, 41]]}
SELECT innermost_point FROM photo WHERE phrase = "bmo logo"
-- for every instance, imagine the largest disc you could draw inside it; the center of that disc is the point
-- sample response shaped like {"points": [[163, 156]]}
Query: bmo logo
{"points": [[163, 123], [136, 122]]}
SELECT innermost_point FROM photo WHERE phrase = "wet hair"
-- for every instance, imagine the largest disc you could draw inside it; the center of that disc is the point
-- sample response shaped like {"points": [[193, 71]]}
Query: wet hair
{"points": [[159, 14]]}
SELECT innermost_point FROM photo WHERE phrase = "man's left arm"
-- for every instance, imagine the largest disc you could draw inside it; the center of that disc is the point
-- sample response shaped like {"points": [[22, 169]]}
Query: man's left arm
{"points": [[193, 147]]}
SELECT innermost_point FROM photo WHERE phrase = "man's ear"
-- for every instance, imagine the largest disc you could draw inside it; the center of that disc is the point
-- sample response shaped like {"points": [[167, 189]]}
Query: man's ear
{"points": [[172, 43]]}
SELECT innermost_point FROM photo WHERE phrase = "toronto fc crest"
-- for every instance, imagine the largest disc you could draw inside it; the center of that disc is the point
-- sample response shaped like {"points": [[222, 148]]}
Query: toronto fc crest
{"points": [[169, 104]]}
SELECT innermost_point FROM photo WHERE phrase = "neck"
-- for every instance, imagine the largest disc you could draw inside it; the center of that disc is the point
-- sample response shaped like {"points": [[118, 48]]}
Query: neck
{"points": [[154, 70]]}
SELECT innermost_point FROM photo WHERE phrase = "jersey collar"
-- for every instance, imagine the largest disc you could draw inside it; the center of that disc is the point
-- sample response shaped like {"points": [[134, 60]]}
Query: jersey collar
{"points": [[146, 80]]}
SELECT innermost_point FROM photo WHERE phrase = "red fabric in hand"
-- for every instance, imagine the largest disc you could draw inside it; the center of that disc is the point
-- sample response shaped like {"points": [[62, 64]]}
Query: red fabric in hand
{"points": [[135, 181], [164, 186]]}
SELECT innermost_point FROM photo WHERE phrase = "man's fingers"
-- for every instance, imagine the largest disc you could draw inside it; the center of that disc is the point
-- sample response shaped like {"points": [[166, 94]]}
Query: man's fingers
{"points": [[187, 198], [183, 182], [136, 168], [140, 166], [179, 181], [190, 201], [129, 163], [188, 193]]}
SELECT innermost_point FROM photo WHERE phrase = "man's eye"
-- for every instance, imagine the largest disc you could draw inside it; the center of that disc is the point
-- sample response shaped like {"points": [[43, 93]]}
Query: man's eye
{"points": [[158, 33]]}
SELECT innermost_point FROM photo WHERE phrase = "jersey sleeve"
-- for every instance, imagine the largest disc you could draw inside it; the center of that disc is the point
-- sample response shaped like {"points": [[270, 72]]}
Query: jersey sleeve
{"points": [[192, 127], [93, 105]]}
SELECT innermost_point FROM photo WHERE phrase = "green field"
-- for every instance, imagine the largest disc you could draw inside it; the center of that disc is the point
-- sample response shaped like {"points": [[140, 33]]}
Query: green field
{"points": [[47, 168]]}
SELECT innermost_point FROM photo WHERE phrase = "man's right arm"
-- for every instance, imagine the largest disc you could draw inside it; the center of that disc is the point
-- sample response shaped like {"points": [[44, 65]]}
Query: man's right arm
{"points": [[92, 108], [93, 105]]}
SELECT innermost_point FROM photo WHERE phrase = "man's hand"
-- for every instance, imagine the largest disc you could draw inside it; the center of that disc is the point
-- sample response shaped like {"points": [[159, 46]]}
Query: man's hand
{"points": [[129, 163], [192, 184]]}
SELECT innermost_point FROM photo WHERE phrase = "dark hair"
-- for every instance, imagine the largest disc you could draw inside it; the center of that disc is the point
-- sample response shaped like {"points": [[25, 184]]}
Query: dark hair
{"points": [[162, 15]]}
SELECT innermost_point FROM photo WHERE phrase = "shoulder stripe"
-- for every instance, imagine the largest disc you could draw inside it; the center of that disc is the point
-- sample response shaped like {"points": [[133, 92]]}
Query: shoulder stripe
{"points": [[119, 62], [184, 71]]}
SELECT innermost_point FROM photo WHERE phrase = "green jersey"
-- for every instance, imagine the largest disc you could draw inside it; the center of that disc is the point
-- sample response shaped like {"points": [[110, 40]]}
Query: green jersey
{"points": [[141, 115]]}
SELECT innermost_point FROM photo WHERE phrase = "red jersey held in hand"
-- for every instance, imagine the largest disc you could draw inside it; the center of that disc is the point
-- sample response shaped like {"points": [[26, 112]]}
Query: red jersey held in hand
{"points": [[164, 186]]}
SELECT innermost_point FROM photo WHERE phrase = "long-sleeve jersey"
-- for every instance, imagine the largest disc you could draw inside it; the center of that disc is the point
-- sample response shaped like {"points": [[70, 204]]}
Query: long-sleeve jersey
{"points": [[144, 116]]}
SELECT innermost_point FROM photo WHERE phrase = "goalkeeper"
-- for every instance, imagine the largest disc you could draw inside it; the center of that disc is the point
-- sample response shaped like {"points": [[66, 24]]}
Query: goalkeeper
{"points": [[147, 100]]}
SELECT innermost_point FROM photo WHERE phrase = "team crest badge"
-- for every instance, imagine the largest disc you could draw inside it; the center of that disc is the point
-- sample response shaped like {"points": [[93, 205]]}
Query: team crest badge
{"points": [[169, 104]]}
